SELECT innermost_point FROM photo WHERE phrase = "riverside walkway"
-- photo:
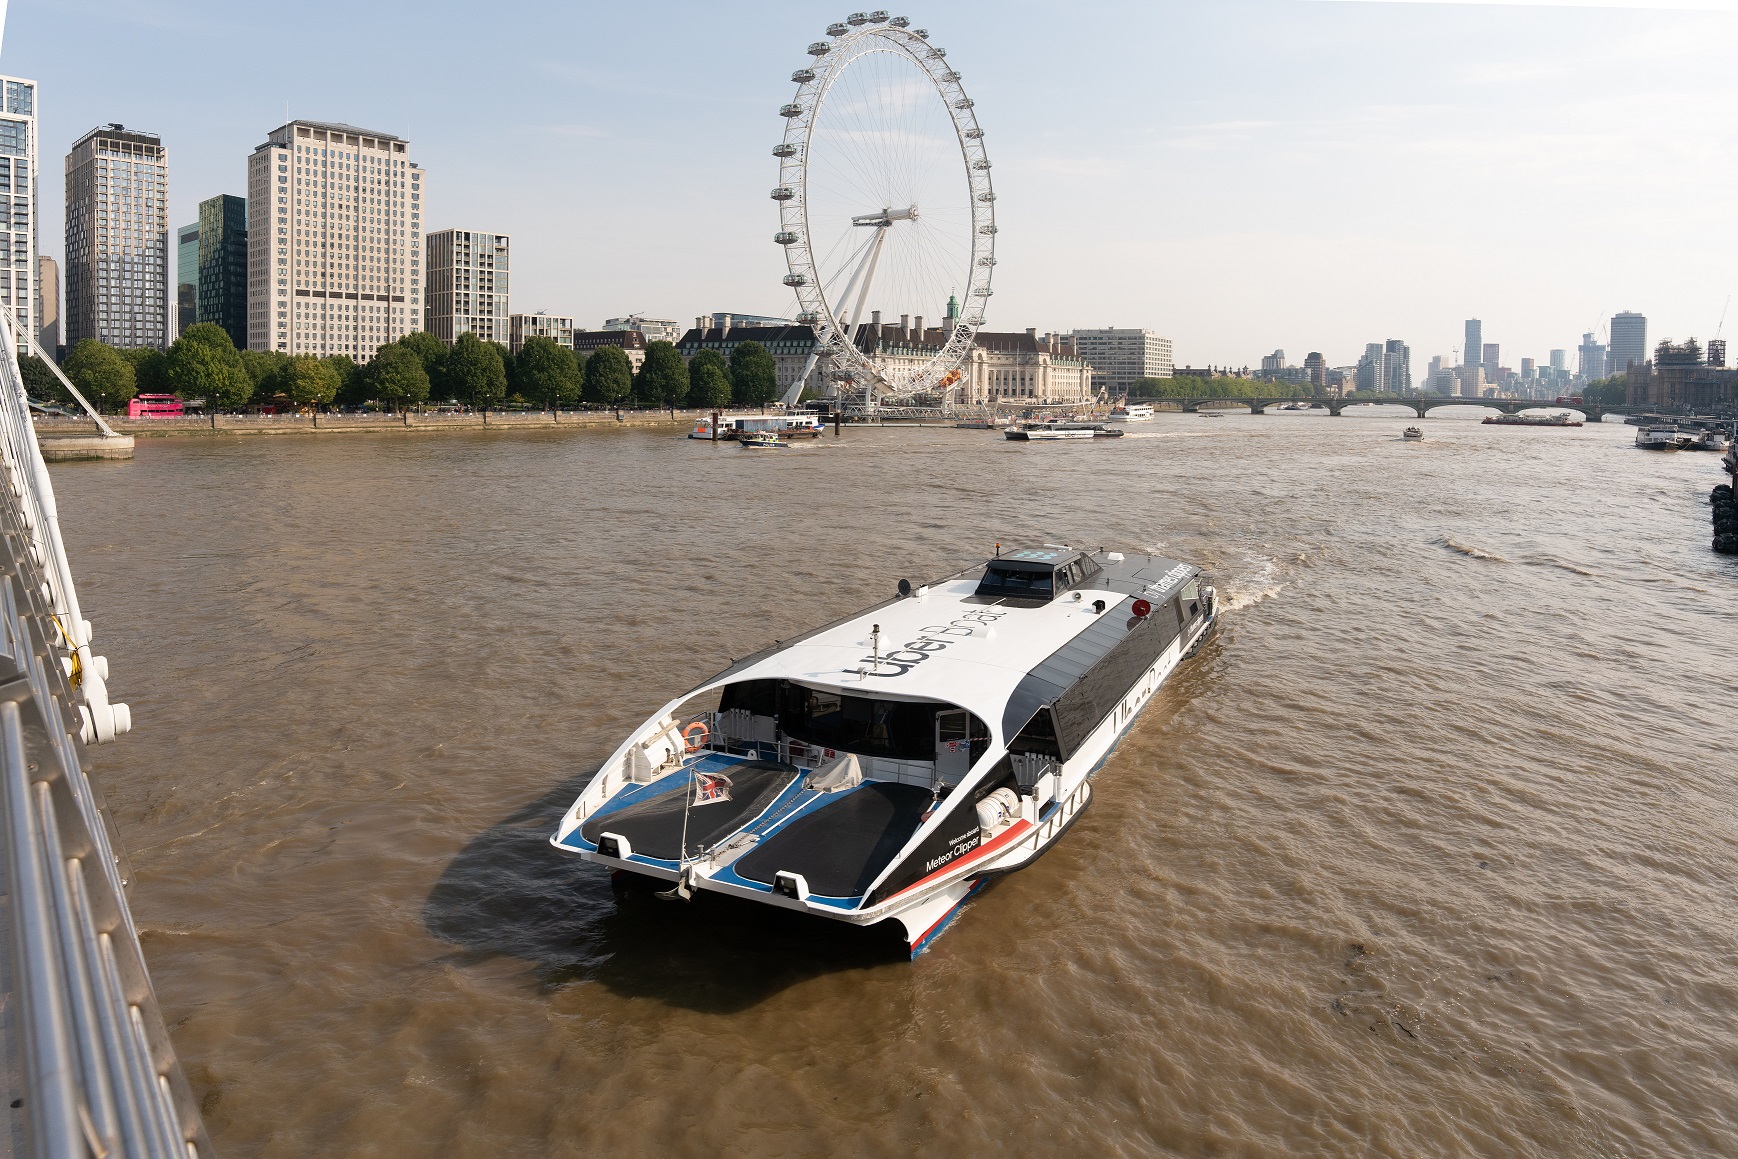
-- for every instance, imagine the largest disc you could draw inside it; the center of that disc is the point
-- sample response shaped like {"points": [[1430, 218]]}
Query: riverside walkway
{"points": [[89, 1068]]}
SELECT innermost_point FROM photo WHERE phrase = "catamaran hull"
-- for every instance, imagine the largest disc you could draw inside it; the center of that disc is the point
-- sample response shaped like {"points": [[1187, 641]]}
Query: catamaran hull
{"points": [[926, 907]]}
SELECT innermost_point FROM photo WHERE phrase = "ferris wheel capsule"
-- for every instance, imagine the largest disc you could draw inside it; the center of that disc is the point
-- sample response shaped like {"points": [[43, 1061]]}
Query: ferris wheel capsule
{"points": [[879, 16], [900, 22], [820, 48], [784, 150], [803, 76], [791, 110], [857, 18], [785, 237], [838, 29], [783, 193]]}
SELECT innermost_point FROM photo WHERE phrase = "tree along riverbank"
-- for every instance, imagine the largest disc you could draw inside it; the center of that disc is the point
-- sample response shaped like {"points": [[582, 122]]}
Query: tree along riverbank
{"points": [[432, 422]]}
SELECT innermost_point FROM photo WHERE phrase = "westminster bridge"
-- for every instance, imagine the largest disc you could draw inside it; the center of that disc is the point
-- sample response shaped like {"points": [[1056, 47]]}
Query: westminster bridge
{"points": [[1420, 404]]}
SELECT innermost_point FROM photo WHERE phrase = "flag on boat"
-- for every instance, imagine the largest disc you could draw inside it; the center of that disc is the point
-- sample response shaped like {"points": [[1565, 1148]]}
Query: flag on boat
{"points": [[710, 787]]}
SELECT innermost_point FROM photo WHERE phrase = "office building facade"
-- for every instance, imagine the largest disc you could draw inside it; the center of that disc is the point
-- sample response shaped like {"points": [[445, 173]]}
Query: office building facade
{"points": [[1473, 350], [334, 240], [523, 327], [222, 285], [186, 277], [1491, 360], [468, 286], [663, 329], [117, 238], [1121, 357], [18, 177], [1628, 342], [48, 307], [1592, 367]]}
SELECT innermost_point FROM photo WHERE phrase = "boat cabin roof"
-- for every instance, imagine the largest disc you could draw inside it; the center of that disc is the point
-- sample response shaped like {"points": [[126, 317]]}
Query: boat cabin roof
{"points": [[950, 642]]}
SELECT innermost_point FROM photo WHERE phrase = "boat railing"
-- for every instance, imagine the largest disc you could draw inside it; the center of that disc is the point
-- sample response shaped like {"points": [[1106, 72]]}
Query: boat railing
{"points": [[96, 1074]]}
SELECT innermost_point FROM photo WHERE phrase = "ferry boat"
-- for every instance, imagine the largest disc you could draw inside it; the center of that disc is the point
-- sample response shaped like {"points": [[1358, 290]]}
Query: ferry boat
{"points": [[1044, 432], [1559, 419], [804, 425], [1658, 438], [1136, 413], [883, 768]]}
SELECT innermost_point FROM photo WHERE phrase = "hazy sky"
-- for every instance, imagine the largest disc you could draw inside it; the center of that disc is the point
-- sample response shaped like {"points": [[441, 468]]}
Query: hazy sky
{"points": [[1240, 176]]}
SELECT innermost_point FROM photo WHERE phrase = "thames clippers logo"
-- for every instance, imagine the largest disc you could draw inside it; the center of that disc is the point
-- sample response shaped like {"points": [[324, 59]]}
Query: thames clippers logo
{"points": [[928, 642]]}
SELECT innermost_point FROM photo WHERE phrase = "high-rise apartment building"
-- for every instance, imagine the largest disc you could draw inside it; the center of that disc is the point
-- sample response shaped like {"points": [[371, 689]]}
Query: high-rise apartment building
{"points": [[1317, 368], [186, 277], [1628, 342], [223, 265], [1492, 361], [1473, 351], [1397, 367], [1592, 359], [48, 307], [1560, 360], [522, 327], [18, 197], [1122, 357], [334, 240], [467, 285], [117, 238]]}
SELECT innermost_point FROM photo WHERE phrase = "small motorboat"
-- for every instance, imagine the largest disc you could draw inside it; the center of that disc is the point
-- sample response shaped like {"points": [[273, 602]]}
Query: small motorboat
{"points": [[1708, 440], [1412, 433], [762, 441]]}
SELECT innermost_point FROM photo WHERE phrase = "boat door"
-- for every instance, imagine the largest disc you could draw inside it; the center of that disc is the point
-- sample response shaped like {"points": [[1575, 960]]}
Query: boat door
{"points": [[953, 745]]}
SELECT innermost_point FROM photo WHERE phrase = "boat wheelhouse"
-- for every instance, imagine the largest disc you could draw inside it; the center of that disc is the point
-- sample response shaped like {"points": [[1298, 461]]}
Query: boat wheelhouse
{"points": [[884, 767], [803, 424]]}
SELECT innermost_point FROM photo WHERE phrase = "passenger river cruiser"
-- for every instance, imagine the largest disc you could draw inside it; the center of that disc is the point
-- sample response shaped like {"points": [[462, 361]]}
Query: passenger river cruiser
{"points": [[884, 767]]}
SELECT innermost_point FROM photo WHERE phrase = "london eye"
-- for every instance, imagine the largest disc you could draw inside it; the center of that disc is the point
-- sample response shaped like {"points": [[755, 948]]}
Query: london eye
{"points": [[886, 210]]}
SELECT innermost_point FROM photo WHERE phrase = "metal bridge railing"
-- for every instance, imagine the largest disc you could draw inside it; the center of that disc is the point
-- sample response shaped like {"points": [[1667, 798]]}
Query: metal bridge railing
{"points": [[94, 1072]]}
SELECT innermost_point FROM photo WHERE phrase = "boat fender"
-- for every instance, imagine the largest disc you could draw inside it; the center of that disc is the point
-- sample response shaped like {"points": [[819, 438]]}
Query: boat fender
{"points": [[693, 743], [997, 811]]}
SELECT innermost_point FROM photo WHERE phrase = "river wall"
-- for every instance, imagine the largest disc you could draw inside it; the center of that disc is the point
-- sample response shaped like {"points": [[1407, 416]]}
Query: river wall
{"points": [[432, 422]]}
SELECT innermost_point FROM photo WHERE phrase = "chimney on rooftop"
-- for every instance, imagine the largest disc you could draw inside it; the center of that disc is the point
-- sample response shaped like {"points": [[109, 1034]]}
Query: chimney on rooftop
{"points": [[700, 325], [1032, 332], [905, 325], [918, 326], [724, 327]]}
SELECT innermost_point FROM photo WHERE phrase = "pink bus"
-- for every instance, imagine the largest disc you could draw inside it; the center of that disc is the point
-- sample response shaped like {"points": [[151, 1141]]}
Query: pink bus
{"points": [[154, 406]]}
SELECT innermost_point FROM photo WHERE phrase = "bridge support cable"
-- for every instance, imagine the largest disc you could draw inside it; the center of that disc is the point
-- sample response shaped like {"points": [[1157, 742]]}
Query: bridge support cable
{"points": [[95, 1074]]}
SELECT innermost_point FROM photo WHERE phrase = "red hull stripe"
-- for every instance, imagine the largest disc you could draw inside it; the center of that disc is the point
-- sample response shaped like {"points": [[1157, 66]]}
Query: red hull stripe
{"points": [[982, 852]]}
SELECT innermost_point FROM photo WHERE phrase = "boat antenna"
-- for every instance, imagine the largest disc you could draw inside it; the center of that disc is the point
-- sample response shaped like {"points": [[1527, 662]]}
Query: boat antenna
{"points": [[998, 549]]}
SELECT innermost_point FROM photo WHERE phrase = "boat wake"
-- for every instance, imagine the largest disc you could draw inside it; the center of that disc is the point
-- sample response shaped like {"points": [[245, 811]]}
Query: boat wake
{"points": [[1244, 592]]}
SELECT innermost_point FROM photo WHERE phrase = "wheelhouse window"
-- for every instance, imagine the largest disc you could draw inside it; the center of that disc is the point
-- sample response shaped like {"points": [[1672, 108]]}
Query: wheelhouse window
{"points": [[1008, 581]]}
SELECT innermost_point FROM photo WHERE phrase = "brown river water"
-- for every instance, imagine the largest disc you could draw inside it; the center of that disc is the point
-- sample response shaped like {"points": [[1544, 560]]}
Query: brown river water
{"points": [[1429, 852]]}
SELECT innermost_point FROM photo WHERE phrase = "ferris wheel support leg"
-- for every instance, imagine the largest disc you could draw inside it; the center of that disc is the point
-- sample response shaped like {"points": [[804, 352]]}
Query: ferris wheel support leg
{"points": [[796, 390], [868, 280]]}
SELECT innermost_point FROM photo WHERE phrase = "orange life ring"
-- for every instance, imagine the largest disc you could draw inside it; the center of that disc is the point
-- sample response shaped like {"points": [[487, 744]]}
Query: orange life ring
{"points": [[688, 736]]}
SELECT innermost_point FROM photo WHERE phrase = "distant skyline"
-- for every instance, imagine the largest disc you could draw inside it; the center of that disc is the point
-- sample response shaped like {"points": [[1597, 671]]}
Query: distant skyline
{"points": [[1301, 174]]}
